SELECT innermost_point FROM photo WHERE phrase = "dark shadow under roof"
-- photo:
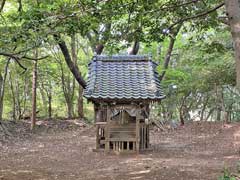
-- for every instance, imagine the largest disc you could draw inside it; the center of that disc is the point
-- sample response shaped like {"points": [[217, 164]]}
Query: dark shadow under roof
{"points": [[123, 77]]}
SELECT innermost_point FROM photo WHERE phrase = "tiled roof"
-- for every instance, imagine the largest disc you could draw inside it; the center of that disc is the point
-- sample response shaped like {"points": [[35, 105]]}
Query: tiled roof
{"points": [[123, 77]]}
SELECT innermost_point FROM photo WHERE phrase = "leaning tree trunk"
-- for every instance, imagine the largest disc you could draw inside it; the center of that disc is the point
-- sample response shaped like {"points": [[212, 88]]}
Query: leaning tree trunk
{"points": [[73, 68], [233, 13], [34, 94]]}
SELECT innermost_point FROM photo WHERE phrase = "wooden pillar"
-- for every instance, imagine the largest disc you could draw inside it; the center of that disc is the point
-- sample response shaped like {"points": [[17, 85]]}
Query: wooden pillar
{"points": [[147, 136], [107, 145], [142, 137], [97, 138], [137, 133]]}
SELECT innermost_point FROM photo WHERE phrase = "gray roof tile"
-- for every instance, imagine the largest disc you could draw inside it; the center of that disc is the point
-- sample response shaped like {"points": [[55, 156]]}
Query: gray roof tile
{"points": [[128, 77]]}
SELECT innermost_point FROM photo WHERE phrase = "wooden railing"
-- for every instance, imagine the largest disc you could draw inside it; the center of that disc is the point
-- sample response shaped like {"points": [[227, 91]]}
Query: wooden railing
{"points": [[127, 145], [126, 141]]}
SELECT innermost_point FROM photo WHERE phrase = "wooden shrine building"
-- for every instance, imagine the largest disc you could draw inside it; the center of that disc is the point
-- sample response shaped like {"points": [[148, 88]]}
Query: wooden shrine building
{"points": [[121, 88]]}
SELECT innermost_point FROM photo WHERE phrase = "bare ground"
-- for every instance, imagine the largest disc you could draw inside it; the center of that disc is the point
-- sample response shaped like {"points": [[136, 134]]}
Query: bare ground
{"points": [[196, 151]]}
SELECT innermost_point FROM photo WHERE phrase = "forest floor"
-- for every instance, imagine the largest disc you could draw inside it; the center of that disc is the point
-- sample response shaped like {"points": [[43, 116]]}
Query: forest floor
{"points": [[196, 151]]}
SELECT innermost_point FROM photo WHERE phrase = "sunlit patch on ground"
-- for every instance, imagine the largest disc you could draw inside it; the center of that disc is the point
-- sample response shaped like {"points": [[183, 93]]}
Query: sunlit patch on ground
{"points": [[140, 172]]}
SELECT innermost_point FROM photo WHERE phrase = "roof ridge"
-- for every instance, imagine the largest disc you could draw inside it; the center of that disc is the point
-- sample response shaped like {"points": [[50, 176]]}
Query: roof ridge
{"points": [[122, 57]]}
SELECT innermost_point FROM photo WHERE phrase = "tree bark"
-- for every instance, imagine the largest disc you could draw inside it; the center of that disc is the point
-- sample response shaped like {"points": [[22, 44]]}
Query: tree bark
{"points": [[233, 13], [34, 93]]}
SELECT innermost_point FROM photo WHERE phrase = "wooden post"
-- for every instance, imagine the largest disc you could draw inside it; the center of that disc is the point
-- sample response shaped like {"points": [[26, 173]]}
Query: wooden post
{"points": [[107, 145], [147, 136], [137, 133], [142, 137], [97, 138]]}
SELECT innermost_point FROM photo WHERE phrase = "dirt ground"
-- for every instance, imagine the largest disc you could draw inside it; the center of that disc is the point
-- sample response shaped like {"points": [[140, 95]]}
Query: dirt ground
{"points": [[197, 151]]}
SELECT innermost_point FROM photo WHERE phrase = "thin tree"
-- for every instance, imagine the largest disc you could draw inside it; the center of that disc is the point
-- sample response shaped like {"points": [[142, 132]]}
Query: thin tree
{"points": [[34, 92]]}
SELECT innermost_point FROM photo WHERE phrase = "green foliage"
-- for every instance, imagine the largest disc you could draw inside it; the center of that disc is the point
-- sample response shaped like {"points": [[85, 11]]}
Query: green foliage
{"points": [[201, 62], [226, 175]]}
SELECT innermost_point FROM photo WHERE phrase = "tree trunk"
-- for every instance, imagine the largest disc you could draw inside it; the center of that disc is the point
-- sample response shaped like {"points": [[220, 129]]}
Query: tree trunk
{"points": [[80, 103], [218, 118], [204, 108], [80, 90], [181, 117], [233, 13], [2, 5], [14, 116], [44, 99], [169, 52], [2, 87], [50, 106], [1, 98], [134, 49], [70, 109], [34, 93], [210, 113], [99, 48]]}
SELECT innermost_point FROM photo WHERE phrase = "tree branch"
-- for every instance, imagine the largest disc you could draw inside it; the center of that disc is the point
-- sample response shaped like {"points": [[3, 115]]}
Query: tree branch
{"points": [[34, 59], [197, 15], [178, 5], [18, 57], [23, 67], [9, 55]]}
